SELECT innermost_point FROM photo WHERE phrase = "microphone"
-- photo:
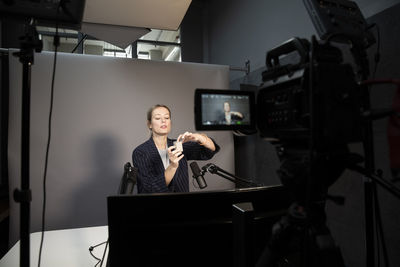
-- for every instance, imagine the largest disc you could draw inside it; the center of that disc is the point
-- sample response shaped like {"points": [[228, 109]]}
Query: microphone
{"points": [[198, 175]]}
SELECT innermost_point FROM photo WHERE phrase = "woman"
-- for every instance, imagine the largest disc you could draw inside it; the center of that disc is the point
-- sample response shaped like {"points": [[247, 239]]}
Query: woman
{"points": [[228, 116], [162, 167]]}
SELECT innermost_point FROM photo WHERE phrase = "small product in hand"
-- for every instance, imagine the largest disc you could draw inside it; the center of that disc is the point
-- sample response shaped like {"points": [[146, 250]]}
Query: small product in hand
{"points": [[178, 145]]}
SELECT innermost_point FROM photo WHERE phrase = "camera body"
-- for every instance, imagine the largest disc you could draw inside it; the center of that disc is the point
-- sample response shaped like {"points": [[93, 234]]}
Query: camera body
{"points": [[315, 100]]}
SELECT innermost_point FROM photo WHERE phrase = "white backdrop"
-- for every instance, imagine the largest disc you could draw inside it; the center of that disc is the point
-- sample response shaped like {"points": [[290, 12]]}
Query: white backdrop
{"points": [[99, 117]]}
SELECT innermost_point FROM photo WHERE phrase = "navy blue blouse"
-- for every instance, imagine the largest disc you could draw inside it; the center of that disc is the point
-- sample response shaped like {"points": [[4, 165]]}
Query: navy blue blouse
{"points": [[151, 170]]}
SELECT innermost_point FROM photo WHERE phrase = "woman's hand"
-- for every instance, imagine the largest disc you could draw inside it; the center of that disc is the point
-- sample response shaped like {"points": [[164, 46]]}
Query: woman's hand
{"points": [[202, 139], [174, 156], [236, 113], [192, 137]]}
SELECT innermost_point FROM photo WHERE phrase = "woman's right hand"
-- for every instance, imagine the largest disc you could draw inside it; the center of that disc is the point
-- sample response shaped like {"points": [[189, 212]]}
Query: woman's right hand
{"points": [[174, 156]]}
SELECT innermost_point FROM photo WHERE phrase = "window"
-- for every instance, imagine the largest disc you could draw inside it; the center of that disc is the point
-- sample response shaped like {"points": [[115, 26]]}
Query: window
{"points": [[156, 45], [160, 45]]}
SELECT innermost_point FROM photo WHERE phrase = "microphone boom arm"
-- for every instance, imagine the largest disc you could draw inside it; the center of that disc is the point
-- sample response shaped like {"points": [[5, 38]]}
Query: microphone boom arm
{"points": [[214, 169]]}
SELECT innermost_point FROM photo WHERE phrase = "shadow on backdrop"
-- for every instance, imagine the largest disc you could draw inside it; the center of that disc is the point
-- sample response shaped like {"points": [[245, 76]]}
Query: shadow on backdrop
{"points": [[89, 200]]}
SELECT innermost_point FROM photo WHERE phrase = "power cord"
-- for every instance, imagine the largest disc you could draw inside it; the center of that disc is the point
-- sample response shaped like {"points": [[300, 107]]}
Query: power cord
{"points": [[380, 237], [104, 254], [377, 56], [91, 248], [76, 47], [56, 43]]}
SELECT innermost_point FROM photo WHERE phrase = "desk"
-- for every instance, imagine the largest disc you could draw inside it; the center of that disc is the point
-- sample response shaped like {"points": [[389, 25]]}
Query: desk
{"points": [[62, 248]]}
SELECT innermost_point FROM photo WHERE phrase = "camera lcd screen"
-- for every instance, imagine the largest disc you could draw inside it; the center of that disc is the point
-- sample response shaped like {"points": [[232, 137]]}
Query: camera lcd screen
{"points": [[224, 109]]}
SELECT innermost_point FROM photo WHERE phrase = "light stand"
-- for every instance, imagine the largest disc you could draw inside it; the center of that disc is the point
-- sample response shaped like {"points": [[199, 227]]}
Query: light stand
{"points": [[360, 57], [30, 43], [336, 21], [214, 169], [69, 14], [370, 181]]}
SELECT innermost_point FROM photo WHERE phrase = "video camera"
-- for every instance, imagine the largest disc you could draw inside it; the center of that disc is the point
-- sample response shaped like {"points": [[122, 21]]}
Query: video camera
{"points": [[311, 109], [318, 95]]}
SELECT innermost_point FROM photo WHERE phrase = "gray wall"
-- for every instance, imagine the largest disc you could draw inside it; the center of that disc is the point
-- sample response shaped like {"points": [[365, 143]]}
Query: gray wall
{"points": [[241, 30], [372, 7], [99, 117], [192, 29]]}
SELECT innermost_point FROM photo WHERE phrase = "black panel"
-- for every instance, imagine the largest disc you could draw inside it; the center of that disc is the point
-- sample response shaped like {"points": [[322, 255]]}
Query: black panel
{"points": [[187, 229]]}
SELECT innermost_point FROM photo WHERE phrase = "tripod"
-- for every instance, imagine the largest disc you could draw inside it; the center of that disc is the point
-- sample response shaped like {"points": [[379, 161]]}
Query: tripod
{"points": [[300, 240], [301, 237]]}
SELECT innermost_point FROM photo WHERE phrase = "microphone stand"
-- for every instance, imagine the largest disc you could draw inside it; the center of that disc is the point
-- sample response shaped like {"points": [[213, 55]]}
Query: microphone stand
{"points": [[214, 169]]}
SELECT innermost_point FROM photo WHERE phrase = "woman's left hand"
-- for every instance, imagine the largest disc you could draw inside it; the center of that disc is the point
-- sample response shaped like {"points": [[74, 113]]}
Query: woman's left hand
{"points": [[201, 139], [192, 137]]}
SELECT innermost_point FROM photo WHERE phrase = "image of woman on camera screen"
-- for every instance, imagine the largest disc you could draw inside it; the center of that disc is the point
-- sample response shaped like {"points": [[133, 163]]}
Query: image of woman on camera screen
{"points": [[228, 116], [162, 165]]}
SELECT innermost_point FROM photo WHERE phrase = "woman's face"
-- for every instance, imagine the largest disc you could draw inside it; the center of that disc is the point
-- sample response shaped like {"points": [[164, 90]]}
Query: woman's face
{"points": [[227, 107], [160, 121]]}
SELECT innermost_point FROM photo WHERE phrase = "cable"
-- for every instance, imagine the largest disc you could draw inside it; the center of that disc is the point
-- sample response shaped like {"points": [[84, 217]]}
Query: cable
{"points": [[104, 254], [376, 218], [83, 38], [378, 48], [379, 230], [91, 253], [91, 248], [56, 44], [375, 224]]}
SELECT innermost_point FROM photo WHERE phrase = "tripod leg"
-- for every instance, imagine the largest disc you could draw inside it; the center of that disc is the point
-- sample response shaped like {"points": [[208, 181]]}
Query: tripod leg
{"points": [[265, 259], [329, 254]]}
